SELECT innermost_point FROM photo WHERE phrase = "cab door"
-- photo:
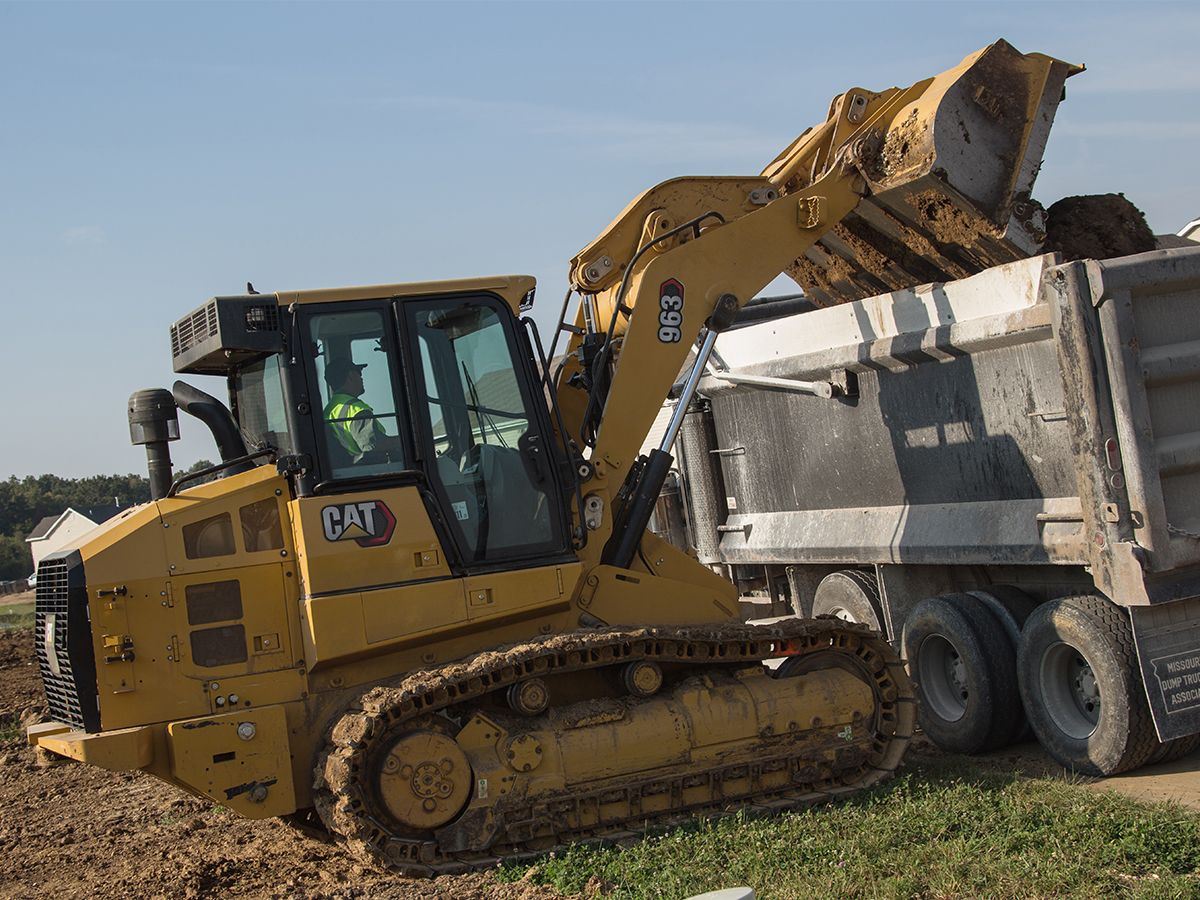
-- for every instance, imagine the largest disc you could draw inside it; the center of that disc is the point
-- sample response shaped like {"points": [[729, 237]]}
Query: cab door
{"points": [[480, 427]]}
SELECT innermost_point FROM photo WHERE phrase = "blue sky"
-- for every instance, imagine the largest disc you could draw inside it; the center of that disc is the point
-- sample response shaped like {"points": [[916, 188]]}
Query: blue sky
{"points": [[153, 155]]}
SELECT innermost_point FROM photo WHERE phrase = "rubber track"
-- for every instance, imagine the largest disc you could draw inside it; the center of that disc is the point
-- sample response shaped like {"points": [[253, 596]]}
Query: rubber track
{"points": [[343, 793]]}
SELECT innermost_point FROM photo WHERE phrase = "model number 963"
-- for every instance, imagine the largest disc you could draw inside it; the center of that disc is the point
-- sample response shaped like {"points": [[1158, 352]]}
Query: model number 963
{"points": [[670, 311]]}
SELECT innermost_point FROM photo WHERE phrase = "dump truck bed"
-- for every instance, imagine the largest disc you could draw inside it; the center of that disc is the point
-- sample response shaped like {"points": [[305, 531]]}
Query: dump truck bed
{"points": [[1034, 415]]}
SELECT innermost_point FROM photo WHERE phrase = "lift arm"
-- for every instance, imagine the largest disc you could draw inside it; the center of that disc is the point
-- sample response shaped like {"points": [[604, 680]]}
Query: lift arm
{"points": [[896, 188]]}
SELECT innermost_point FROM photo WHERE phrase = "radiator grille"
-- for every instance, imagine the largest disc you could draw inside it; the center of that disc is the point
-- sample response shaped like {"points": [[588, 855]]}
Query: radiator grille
{"points": [[194, 329], [63, 638]]}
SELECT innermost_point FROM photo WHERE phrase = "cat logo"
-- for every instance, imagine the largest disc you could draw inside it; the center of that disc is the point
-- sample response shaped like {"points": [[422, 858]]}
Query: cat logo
{"points": [[369, 523]]}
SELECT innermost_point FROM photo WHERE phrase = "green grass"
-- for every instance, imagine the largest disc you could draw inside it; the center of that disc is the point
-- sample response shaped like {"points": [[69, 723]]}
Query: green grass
{"points": [[10, 729], [942, 829], [17, 615]]}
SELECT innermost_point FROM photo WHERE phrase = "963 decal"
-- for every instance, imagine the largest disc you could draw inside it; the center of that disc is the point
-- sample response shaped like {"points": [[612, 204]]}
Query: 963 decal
{"points": [[670, 311]]}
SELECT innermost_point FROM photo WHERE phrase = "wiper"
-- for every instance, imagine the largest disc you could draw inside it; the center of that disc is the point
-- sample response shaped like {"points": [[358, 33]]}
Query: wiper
{"points": [[484, 418]]}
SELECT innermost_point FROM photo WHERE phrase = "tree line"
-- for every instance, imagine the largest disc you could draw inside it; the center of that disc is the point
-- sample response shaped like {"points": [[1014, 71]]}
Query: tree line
{"points": [[26, 501]]}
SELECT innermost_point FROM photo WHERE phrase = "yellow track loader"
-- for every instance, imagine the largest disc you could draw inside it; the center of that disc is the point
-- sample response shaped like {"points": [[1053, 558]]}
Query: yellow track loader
{"points": [[420, 602]]}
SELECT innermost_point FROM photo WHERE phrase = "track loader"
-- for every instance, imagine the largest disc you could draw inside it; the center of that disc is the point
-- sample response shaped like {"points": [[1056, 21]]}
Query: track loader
{"points": [[420, 601]]}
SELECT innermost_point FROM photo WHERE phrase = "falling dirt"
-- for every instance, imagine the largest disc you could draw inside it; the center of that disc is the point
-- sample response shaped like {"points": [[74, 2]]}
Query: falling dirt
{"points": [[1096, 226]]}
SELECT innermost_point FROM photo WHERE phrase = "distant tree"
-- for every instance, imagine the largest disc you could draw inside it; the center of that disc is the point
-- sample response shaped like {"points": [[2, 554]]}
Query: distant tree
{"points": [[15, 558], [196, 467]]}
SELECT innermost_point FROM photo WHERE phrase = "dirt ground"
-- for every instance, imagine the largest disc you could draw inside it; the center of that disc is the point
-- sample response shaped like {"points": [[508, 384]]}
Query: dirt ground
{"points": [[73, 831], [68, 830]]}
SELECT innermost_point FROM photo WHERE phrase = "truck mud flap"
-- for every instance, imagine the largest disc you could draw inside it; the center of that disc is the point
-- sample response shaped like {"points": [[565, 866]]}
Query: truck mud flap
{"points": [[1168, 646]]}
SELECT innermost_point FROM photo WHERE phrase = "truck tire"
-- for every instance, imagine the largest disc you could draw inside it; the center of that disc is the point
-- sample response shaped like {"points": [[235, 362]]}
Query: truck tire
{"points": [[964, 664], [1178, 748], [1012, 607], [851, 595], [1080, 683]]}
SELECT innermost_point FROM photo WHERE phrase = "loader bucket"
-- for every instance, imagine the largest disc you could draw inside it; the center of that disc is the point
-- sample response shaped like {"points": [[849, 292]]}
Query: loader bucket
{"points": [[949, 164]]}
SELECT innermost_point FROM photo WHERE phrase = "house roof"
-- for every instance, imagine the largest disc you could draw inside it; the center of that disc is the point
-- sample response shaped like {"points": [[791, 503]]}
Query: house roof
{"points": [[104, 512], [42, 528], [94, 514]]}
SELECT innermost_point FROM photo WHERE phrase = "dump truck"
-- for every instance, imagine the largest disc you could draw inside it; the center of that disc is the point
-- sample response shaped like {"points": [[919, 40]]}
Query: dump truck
{"points": [[420, 607], [1000, 473]]}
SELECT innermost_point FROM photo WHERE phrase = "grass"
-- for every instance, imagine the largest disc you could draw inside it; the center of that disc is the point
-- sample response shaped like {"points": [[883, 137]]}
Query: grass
{"points": [[10, 729], [941, 829], [17, 615]]}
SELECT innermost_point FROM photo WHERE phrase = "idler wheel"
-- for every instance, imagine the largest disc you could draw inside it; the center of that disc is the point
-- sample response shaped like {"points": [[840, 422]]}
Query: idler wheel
{"points": [[425, 780], [529, 697]]}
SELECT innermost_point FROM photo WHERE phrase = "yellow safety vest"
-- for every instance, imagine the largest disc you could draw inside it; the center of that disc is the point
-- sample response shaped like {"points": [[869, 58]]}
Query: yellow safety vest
{"points": [[341, 410]]}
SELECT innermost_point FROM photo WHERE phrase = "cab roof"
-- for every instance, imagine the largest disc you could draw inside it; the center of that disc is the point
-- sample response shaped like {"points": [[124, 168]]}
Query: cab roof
{"points": [[514, 289]]}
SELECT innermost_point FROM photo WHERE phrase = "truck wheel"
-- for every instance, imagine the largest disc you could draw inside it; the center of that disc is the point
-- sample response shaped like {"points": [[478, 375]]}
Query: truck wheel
{"points": [[851, 595], [964, 665], [1080, 682], [1012, 607]]}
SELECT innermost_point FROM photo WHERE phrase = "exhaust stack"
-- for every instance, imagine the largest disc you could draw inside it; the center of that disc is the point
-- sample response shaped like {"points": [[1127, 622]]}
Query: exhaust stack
{"points": [[216, 415], [154, 423]]}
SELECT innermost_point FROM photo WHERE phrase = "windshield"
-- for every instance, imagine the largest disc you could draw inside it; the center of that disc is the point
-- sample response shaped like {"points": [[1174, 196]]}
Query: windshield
{"points": [[258, 401]]}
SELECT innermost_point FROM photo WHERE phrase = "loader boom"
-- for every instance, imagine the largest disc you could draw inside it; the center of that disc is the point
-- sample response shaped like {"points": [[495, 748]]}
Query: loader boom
{"points": [[885, 194]]}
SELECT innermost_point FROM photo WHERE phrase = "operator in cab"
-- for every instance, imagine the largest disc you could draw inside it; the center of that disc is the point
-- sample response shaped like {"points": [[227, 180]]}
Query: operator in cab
{"points": [[351, 419]]}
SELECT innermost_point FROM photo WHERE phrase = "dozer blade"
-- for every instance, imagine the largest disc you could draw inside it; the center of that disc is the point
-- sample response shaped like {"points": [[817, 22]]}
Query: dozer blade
{"points": [[949, 163]]}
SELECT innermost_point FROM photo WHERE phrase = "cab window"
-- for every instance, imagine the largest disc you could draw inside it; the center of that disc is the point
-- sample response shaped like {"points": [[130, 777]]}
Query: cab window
{"points": [[261, 414], [490, 466], [359, 428]]}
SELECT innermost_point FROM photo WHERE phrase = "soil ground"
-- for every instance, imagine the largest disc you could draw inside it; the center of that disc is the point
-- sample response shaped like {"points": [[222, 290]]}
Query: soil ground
{"points": [[73, 831]]}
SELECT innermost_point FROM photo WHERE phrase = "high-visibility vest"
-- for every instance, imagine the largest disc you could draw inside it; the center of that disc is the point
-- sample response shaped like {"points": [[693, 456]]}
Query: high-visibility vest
{"points": [[341, 410]]}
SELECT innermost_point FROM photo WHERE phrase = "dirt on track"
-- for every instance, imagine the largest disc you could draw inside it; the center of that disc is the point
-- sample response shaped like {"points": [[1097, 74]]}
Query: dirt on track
{"points": [[71, 830]]}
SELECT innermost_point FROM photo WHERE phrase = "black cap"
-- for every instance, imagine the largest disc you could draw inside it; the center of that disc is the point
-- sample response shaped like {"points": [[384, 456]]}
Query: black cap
{"points": [[336, 371]]}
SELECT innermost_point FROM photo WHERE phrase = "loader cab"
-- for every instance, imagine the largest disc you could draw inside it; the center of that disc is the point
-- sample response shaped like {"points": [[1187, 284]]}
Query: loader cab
{"points": [[371, 389]]}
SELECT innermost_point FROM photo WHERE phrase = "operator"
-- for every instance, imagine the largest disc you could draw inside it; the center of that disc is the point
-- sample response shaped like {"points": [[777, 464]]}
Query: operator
{"points": [[351, 419]]}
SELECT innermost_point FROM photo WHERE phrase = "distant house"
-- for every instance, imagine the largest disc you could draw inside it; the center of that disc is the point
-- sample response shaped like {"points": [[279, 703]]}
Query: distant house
{"points": [[55, 532]]}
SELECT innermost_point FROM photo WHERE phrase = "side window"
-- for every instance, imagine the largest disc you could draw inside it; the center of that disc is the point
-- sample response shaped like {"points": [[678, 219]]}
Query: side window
{"points": [[355, 377], [490, 465], [260, 408]]}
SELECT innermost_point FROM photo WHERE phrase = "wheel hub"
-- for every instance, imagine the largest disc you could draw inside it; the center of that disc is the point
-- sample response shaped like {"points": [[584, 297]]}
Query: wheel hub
{"points": [[1069, 690], [1087, 693], [425, 780], [942, 674]]}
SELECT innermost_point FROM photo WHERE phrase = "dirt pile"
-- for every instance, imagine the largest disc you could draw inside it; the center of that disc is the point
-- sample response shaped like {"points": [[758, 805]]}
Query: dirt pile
{"points": [[1096, 226], [75, 831]]}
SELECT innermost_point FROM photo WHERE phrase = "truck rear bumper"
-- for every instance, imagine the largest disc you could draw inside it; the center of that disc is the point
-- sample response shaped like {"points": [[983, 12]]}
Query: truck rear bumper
{"points": [[119, 751]]}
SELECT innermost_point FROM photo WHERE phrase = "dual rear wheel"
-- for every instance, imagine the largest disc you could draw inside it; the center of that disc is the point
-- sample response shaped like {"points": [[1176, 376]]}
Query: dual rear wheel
{"points": [[995, 667], [992, 666]]}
